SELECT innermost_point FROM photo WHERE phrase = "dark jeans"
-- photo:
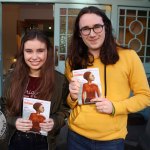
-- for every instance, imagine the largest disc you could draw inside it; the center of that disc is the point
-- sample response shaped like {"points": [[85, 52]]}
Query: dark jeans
{"points": [[78, 142], [28, 141]]}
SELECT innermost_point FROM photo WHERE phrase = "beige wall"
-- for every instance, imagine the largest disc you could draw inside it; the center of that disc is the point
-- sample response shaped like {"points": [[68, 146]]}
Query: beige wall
{"points": [[10, 14]]}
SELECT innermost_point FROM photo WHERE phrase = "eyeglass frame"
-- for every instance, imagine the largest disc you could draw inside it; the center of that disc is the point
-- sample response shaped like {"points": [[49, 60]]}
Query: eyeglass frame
{"points": [[100, 25]]}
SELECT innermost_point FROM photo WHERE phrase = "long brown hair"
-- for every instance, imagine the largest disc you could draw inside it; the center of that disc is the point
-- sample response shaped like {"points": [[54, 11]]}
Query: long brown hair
{"points": [[20, 75], [78, 54]]}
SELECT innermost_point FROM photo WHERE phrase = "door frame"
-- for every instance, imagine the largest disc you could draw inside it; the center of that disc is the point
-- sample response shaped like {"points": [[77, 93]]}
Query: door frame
{"points": [[1, 62]]}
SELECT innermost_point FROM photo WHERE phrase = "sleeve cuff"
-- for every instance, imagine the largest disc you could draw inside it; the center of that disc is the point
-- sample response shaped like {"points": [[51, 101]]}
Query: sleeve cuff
{"points": [[71, 103]]}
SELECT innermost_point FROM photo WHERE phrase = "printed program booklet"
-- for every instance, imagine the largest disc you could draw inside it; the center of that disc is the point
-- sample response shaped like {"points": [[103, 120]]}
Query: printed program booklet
{"points": [[90, 85], [37, 111]]}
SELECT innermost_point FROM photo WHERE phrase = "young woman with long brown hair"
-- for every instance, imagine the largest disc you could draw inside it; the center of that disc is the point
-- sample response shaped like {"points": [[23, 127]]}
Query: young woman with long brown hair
{"points": [[34, 77]]}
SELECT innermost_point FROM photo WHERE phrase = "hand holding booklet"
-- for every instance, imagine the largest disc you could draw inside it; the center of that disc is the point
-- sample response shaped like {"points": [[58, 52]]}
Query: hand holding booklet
{"points": [[37, 111], [90, 85]]}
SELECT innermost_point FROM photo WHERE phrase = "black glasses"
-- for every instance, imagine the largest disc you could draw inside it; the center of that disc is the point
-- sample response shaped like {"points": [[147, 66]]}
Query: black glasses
{"points": [[97, 28]]}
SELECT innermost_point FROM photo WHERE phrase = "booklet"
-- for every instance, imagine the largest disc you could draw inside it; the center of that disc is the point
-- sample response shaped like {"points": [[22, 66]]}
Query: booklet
{"points": [[90, 85], [37, 111]]}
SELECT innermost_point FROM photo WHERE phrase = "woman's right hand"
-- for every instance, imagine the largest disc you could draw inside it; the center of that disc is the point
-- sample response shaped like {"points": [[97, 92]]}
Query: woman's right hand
{"points": [[23, 124], [74, 87]]}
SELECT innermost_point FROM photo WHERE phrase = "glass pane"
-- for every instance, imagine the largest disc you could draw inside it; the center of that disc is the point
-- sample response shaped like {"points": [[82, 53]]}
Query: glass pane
{"points": [[143, 20], [68, 41], [131, 12], [62, 39], [121, 21], [63, 11], [135, 44], [136, 27], [148, 60], [148, 51], [129, 20], [128, 36], [62, 48], [141, 52], [71, 20], [148, 37], [122, 12], [142, 36], [73, 11], [62, 25], [149, 22], [62, 57], [62, 44], [121, 36], [142, 13]]}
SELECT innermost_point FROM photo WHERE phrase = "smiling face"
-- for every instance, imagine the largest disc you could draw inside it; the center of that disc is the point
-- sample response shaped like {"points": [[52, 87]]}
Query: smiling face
{"points": [[35, 55], [93, 41]]}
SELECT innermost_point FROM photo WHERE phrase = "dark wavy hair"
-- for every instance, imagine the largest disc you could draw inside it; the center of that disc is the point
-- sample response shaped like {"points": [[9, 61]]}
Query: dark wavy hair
{"points": [[78, 54], [20, 75]]}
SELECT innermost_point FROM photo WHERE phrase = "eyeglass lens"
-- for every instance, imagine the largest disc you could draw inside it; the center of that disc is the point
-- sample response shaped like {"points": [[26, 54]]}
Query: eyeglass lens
{"points": [[96, 28]]}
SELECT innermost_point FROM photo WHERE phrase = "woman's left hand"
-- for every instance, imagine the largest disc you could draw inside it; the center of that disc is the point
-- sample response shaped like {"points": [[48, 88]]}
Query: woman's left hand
{"points": [[47, 125], [103, 105]]}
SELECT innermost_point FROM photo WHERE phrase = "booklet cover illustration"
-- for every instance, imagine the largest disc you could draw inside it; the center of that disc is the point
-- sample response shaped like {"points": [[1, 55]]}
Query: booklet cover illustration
{"points": [[37, 111], [90, 85]]}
